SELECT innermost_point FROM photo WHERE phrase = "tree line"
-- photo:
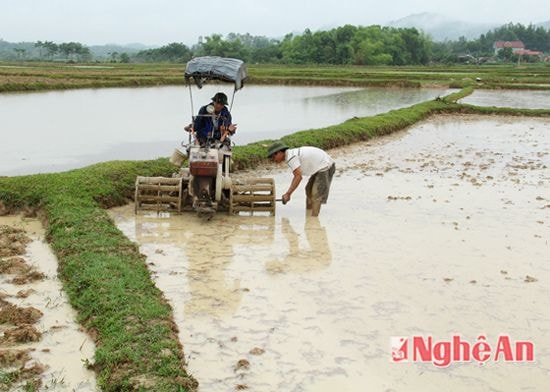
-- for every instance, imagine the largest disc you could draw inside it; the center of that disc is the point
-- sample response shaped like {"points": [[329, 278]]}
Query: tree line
{"points": [[71, 50], [51, 51], [357, 45], [353, 45], [372, 45]]}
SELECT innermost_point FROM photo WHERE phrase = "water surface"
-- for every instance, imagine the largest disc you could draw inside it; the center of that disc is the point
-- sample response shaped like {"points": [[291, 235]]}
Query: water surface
{"points": [[59, 130], [526, 99]]}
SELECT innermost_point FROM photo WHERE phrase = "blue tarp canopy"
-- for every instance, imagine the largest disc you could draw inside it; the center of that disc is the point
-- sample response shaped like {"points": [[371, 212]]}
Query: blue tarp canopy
{"points": [[203, 69]]}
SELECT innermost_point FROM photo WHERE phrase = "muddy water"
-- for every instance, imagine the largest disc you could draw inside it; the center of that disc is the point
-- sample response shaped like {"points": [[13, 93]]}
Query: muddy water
{"points": [[64, 347], [60, 130], [509, 98], [433, 231]]}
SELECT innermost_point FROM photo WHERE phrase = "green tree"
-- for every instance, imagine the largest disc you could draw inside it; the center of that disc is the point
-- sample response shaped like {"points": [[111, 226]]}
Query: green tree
{"points": [[74, 51], [51, 48], [21, 52], [506, 54], [174, 52], [40, 46]]}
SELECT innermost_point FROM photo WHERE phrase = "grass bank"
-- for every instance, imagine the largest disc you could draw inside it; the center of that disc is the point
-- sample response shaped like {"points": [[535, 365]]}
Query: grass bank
{"points": [[104, 274], [32, 76], [106, 277]]}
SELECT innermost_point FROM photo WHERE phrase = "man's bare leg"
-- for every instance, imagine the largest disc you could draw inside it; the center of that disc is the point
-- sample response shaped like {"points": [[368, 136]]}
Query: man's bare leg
{"points": [[315, 208], [309, 203]]}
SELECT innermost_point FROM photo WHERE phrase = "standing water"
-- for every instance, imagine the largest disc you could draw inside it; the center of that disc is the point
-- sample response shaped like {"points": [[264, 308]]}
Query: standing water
{"points": [[60, 130], [510, 99]]}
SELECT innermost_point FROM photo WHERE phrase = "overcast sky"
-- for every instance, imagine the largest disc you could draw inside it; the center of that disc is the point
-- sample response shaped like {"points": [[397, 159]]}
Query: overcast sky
{"points": [[163, 21]]}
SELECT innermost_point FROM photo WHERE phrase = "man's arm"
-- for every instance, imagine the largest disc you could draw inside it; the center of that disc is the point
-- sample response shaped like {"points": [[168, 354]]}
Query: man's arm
{"points": [[294, 184], [227, 128]]}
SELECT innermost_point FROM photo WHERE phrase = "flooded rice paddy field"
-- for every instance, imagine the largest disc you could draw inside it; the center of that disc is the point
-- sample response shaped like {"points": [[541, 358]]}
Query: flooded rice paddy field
{"points": [[38, 331], [439, 230], [509, 98], [60, 130]]}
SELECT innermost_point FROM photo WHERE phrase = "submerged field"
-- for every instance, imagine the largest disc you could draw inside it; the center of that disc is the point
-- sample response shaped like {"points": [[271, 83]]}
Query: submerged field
{"points": [[51, 76], [439, 229], [108, 281]]}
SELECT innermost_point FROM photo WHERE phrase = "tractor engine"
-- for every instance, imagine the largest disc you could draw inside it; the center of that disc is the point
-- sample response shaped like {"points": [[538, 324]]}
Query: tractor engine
{"points": [[203, 167]]}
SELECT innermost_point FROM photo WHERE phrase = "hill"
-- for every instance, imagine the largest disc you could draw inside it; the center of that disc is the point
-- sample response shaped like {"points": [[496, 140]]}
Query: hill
{"points": [[441, 27]]}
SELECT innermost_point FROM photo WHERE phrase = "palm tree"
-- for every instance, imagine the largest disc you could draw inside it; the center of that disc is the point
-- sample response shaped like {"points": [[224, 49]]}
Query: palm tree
{"points": [[20, 52], [51, 47], [39, 45]]}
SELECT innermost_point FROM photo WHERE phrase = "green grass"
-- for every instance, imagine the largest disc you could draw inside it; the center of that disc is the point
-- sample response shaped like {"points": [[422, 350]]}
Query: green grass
{"points": [[106, 277]]}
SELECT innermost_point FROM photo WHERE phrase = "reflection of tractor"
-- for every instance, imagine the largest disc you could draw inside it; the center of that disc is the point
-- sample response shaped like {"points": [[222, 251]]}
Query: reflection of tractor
{"points": [[205, 186]]}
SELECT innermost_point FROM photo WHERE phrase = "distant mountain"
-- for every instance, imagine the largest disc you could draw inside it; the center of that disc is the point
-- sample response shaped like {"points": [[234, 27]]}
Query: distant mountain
{"points": [[441, 27]]}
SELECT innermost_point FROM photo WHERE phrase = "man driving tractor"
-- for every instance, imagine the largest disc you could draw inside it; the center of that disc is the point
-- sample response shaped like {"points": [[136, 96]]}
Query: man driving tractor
{"points": [[213, 121]]}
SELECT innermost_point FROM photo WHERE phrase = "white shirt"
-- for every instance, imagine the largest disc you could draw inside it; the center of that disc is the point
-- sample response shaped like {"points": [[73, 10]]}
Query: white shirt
{"points": [[309, 159]]}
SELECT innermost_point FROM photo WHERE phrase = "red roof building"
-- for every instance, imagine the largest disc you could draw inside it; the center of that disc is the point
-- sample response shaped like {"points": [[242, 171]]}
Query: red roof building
{"points": [[515, 45], [527, 52], [518, 48]]}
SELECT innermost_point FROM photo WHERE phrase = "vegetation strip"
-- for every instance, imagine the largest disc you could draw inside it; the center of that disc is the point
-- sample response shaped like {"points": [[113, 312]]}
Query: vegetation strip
{"points": [[106, 277], [34, 76]]}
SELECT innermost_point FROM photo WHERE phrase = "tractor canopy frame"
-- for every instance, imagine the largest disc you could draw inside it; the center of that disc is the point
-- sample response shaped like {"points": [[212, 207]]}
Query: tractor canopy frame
{"points": [[203, 69]]}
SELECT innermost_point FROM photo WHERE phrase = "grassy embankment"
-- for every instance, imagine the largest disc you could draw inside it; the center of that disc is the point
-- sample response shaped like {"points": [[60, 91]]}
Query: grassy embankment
{"points": [[54, 76], [106, 277], [104, 274]]}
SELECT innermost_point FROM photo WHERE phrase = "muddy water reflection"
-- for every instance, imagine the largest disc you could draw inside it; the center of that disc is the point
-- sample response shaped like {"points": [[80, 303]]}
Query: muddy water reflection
{"points": [[210, 252], [303, 258]]}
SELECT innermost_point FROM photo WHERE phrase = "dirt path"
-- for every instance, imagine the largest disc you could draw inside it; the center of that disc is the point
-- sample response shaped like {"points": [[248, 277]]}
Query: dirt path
{"points": [[439, 230], [40, 342]]}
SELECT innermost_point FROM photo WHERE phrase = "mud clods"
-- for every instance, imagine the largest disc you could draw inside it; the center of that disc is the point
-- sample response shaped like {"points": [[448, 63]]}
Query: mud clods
{"points": [[257, 351], [16, 365], [14, 315], [21, 334], [18, 266], [13, 266], [242, 364], [13, 358], [12, 241], [17, 322]]}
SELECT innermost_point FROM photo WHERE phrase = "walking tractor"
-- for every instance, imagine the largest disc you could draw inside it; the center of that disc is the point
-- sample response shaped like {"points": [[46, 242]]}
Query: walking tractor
{"points": [[205, 185]]}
